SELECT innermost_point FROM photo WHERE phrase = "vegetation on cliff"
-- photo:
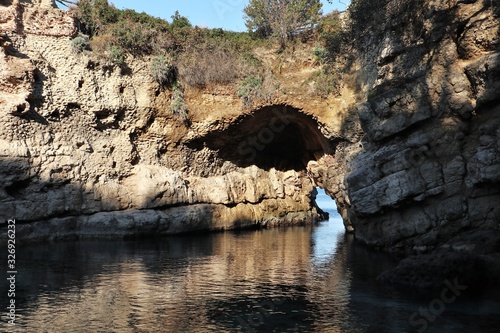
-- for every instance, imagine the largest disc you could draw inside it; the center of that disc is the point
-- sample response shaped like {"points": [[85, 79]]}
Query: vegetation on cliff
{"points": [[183, 55], [140, 34], [282, 19]]}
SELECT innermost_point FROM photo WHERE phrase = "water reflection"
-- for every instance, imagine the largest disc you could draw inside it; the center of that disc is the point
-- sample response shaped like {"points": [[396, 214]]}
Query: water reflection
{"points": [[303, 279], [278, 279]]}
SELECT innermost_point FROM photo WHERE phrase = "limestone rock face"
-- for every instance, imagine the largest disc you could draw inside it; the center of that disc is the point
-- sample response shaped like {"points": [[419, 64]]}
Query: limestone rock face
{"points": [[16, 80], [89, 149], [38, 17], [428, 169], [410, 151], [31, 18]]}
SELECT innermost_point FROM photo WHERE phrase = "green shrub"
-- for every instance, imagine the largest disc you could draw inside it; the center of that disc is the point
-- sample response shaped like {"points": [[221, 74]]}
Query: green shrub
{"points": [[329, 24], [116, 55], [162, 71], [95, 15], [155, 23], [178, 105], [330, 54], [328, 81], [321, 54], [132, 36], [281, 19], [249, 86], [133, 32], [254, 88], [140, 32], [179, 21], [331, 35], [80, 43]]}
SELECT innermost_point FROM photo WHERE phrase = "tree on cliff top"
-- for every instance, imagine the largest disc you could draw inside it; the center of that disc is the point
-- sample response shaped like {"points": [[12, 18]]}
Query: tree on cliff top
{"points": [[179, 21], [281, 19]]}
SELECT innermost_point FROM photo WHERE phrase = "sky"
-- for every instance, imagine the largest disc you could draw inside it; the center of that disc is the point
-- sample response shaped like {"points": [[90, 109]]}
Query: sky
{"points": [[226, 14]]}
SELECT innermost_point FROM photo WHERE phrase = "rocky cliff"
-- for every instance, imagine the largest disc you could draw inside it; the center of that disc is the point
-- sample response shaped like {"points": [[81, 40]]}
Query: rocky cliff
{"points": [[409, 150], [428, 171], [91, 149]]}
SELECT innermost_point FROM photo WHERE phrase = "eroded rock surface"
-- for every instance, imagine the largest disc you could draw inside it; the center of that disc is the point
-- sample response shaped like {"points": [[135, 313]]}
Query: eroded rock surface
{"points": [[428, 167], [410, 150], [89, 149]]}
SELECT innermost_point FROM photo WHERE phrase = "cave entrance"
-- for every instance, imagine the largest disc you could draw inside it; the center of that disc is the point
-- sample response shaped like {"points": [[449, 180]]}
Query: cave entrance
{"points": [[325, 202], [278, 136]]}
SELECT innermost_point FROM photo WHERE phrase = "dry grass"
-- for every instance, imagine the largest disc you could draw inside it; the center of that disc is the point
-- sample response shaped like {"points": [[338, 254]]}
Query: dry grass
{"points": [[205, 64], [101, 44]]}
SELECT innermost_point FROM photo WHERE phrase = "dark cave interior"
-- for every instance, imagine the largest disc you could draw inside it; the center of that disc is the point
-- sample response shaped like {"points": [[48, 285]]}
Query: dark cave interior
{"points": [[277, 136]]}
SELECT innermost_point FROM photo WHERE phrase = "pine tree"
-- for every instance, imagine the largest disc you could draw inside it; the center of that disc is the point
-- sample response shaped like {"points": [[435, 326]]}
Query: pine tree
{"points": [[281, 19]]}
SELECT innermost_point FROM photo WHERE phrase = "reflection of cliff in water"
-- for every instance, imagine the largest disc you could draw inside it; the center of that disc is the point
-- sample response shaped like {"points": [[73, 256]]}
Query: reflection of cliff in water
{"points": [[179, 284], [306, 279]]}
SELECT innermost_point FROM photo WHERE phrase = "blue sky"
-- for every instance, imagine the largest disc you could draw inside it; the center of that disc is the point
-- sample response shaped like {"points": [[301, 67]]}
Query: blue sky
{"points": [[227, 14]]}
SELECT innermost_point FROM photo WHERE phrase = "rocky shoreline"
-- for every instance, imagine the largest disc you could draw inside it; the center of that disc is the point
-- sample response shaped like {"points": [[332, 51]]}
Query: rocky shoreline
{"points": [[158, 223], [409, 149]]}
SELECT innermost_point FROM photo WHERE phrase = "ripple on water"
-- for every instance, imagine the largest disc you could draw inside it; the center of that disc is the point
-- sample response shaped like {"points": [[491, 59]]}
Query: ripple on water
{"points": [[307, 279]]}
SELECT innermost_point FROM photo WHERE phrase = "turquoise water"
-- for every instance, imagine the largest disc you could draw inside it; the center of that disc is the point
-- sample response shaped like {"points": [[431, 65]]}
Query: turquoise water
{"points": [[299, 279]]}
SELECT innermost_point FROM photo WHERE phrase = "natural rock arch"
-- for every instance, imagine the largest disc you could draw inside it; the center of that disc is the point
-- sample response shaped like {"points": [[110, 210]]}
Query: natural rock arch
{"points": [[274, 136], [284, 138]]}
